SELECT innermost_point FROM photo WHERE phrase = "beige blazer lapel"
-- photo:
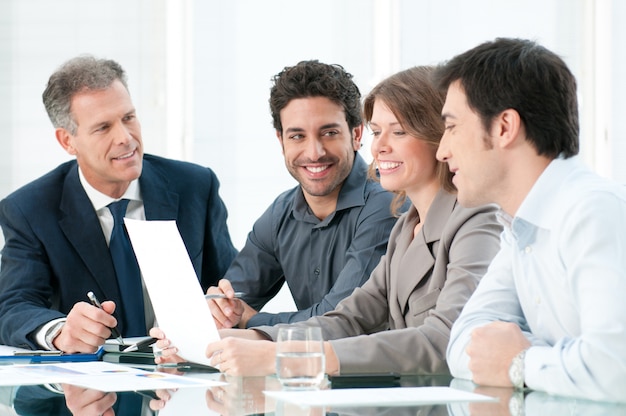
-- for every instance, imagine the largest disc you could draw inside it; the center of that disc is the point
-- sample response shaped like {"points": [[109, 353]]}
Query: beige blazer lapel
{"points": [[419, 259]]}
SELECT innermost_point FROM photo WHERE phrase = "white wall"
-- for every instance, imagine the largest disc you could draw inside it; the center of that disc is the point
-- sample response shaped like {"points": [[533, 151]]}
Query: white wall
{"points": [[617, 68], [36, 37]]}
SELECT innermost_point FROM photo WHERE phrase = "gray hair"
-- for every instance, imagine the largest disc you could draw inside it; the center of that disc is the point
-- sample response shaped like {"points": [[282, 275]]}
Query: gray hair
{"points": [[80, 74]]}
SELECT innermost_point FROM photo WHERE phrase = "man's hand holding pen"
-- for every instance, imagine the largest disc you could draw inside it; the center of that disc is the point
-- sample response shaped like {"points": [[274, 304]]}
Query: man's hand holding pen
{"points": [[87, 327], [228, 310]]}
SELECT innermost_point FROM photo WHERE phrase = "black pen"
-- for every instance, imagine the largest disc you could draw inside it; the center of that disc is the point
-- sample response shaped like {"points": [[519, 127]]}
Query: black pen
{"points": [[141, 344], [189, 367], [94, 301]]}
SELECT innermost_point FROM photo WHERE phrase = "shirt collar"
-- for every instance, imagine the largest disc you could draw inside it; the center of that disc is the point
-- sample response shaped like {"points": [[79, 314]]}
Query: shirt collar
{"points": [[100, 200], [545, 193], [541, 205], [351, 194], [353, 188]]}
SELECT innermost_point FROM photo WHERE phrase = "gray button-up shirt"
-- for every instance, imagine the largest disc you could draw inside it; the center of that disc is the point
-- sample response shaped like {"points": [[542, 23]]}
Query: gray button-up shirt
{"points": [[321, 261]]}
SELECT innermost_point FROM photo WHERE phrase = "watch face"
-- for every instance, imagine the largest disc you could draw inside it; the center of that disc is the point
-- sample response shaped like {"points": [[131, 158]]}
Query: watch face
{"points": [[515, 375], [516, 371]]}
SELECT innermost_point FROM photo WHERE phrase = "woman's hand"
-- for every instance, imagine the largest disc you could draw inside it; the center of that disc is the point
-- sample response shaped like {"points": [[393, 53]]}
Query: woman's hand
{"points": [[165, 352], [243, 357]]}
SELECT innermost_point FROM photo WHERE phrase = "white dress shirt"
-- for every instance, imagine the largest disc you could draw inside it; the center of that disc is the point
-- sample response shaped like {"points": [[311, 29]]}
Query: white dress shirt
{"points": [[561, 276]]}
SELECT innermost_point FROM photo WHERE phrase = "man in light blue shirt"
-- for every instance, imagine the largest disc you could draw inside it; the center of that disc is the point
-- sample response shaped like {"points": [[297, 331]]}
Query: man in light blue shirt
{"points": [[549, 314]]}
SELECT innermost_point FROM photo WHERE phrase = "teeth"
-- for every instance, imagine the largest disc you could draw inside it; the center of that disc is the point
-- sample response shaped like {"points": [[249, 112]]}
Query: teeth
{"points": [[125, 156], [316, 169], [388, 165]]}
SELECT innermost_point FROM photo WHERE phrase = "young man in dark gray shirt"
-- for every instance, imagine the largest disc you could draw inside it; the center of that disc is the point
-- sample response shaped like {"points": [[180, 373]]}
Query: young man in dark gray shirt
{"points": [[324, 236]]}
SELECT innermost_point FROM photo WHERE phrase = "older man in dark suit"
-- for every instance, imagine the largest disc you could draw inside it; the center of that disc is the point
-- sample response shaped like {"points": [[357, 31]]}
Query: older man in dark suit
{"points": [[59, 227]]}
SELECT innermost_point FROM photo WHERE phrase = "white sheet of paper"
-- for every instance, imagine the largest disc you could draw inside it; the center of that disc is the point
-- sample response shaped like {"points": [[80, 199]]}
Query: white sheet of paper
{"points": [[16, 375], [177, 297], [97, 375], [142, 380], [392, 396]]}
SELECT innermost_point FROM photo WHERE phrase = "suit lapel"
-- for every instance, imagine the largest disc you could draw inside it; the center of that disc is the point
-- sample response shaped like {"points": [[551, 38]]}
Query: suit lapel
{"points": [[418, 260], [81, 226], [159, 202]]}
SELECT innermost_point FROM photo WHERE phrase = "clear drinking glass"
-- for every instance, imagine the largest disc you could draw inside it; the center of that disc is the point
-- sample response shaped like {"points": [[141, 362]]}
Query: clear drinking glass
{"points": [[300, 359]]}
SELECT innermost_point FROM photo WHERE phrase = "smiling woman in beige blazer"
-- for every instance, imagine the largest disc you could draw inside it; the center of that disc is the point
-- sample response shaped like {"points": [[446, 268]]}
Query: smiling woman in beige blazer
{"points": [[400, 319]]}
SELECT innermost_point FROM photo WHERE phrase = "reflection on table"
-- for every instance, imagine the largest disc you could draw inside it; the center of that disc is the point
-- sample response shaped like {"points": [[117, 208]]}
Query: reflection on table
{"points": [[244, 396]]}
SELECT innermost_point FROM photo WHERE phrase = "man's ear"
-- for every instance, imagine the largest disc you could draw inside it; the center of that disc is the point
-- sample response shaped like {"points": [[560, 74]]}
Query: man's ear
{"points": [[506, 128], [357, 135], [65, 140]]}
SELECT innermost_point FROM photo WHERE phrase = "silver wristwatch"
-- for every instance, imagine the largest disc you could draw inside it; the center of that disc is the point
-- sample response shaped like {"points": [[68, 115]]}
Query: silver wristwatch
{"points": [[516, 370]]}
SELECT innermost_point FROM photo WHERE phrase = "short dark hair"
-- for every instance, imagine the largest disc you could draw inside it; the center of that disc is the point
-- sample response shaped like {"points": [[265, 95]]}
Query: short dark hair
{"points": [[83, 73], [416, 102], [315, 79], [519, 74]]}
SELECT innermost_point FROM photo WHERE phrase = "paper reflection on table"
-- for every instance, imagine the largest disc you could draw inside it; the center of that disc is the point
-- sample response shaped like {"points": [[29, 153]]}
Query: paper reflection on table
{"points": [[240, 396]]}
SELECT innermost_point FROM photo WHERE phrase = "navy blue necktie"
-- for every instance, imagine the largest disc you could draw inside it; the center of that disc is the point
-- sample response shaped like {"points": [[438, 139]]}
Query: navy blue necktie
{"points": [[128, 274]]}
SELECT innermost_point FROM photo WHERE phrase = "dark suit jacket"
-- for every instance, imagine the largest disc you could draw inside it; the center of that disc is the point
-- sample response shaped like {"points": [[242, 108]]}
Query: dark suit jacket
{"points": [[55, 251]]}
